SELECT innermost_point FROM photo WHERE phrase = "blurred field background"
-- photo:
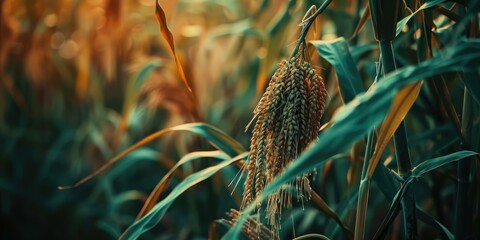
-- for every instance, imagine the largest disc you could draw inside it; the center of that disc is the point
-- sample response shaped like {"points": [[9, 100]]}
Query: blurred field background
{"points": [[83, 80]]}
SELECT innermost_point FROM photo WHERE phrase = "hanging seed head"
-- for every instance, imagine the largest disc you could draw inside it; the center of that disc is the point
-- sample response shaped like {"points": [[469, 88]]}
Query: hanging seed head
{"points": [[287, 121], [252, 228]]}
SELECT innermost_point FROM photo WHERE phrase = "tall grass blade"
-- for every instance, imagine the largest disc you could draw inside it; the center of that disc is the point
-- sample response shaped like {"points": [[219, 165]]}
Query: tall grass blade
{"points": [[401, 105], [216, 137], [168, 36], [393, 211], [158, 211], [163, 184], [337, 53], [432, 164], [428, 4]]}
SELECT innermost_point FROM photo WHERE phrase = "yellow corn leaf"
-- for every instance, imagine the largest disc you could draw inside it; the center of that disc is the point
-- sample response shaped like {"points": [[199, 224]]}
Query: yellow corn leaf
{"points": [[402, 103], [168, 36]]}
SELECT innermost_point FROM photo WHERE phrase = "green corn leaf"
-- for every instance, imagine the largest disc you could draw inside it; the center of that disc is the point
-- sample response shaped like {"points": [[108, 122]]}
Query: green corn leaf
{"points": [[393, 211], [165, 181], [435, 163], [386, 180], [428, 4], [337, 53], [158, 211]]}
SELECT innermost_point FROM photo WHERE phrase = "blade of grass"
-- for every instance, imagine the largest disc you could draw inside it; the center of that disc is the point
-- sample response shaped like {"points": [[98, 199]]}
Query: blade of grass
{"points": [[463, 219], [163, 184], [428, 4], [401, 105], [337, 53], [158, 211], [168, 36], [400, 141], [431, 164], [393, 211], [216, 137]]}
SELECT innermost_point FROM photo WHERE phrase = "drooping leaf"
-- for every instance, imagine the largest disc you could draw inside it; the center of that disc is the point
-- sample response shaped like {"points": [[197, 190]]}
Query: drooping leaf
{"points": [[393, 211], [158, 211], [337, 53], [163, 184], [431, 164], [401, 105], [215, 136], [427, 4], [168, 36]]}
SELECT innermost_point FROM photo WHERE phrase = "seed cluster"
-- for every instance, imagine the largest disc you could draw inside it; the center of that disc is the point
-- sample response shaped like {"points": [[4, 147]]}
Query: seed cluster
{"points": [[287, 121], [252, 228]]}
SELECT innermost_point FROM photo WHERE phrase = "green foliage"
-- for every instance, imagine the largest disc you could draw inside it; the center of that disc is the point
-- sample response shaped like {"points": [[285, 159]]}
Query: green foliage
{"points": [[95, 90], [336, 52]]}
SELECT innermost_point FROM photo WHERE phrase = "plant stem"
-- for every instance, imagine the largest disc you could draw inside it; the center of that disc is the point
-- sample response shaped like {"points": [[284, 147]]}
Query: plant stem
{"points": [[463, 223], [401, 151], [308, 23], [364, 189]]}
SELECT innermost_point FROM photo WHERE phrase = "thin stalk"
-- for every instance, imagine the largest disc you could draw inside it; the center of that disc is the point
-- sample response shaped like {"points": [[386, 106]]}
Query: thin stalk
{"points": [[463, 216], [307, 23], [401, 151], [364, 189]]}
